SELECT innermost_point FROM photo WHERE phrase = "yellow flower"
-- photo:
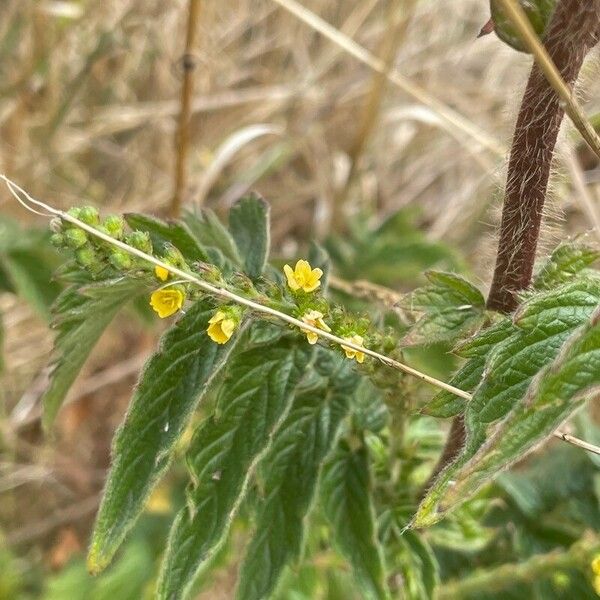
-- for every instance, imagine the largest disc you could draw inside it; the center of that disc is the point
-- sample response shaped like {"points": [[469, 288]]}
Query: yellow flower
{"points": [[220, 327], [597, 584], [303, 277], [167, 301], [351, 352], [314, 318], [596, 564], [161, 273]]}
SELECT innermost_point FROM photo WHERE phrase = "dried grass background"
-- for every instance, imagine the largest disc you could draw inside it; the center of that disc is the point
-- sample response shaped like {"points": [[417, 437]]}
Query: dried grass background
{"points": [[89, 98]]}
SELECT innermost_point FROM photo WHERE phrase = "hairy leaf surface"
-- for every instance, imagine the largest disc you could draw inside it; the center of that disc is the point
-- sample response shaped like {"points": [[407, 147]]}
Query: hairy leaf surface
{"points": [[555, 393], [346, 494], [81, 314], [290, 472], [249, 225], [542, 325], [252, 404], [172, 383], [566, 262], [449, 307]]}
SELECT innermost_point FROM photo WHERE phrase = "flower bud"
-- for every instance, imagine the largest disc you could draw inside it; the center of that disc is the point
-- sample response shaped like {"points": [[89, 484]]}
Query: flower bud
{"points": [[89, 215], [120, 260], [74, 212], [139, 240], [173, 256], [57, 240], [86, 257], [56, 225], [75, 238], [114, 224]]}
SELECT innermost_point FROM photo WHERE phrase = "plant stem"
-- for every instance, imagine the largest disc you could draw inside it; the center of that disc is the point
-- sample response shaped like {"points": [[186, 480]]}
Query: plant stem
{"points": [[573, 31], [578, 556], [182, 135]]}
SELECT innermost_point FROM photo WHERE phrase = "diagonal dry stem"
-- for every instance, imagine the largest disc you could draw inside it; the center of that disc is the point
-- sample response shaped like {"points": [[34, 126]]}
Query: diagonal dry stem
{"points": [[26, 201]]}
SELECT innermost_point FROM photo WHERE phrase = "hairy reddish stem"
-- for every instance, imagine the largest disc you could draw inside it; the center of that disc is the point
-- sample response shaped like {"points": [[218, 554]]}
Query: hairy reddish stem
{"points": [[573, 31]]}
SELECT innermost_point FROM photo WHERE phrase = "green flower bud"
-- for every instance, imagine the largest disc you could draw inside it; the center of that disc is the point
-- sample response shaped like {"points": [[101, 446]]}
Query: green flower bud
{"points": [[173, 256], [120, 260], [89, 215], [75, 238], [86, 257], [139, 240], [57, 240], [114, 224], [74, 212]]}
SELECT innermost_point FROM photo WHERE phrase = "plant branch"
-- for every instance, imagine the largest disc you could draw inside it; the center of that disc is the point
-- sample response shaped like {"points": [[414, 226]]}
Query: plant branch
{"points": [[182, 134], [578, 556], [27, 200], [519, 19], [573, 31]]}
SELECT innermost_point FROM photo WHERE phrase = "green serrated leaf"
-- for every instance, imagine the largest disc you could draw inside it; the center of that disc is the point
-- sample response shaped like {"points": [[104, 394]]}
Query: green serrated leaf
{"points": [[420, 568], [556, 392], [538, 12], [450, 307], [446, 404], [542, 325], [173, 232], [566, 262], [207, 228], [253, 401], [249, 225], [290, 472], [171, 385], [348, 506], [81, 314]]}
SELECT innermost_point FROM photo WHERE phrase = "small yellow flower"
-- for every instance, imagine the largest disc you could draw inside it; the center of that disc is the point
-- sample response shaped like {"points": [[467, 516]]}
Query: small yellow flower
{"points": [[351, 352], [303, 277], [596, 564], [161, 273], [167, 301], [314, 318], [220, 327]]}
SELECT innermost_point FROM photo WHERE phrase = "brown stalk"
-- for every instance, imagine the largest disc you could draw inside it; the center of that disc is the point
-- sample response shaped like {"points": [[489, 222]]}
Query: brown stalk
{"points": [[573, 31], [182, 135]]}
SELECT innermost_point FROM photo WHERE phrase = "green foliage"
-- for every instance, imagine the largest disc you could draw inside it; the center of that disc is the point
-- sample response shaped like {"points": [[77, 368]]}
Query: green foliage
{"points": [[450, 307], [81, 314], [346, 493], [171, 385], [289, 473], [253, 401], [249, 224]]}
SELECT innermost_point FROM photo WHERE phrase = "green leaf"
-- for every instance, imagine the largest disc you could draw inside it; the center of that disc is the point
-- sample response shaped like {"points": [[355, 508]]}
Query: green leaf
{"points": [[420, 568], [348, 506], [172, 232], [249, 225], [538, 12], [566, 262], [290, 472], [30, 272], [446, 404], [171, 385], [207, 228], [253, 401], [542, 325], [450, 307], [81, 314], [555, 393]]}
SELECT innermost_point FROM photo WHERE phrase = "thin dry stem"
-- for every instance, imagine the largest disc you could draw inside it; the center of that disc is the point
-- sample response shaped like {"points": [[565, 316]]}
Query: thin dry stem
{"points": [[27, 200], [182, 135]]}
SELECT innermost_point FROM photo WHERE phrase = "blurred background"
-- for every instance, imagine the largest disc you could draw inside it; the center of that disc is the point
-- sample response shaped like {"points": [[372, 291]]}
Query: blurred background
{"points": [[392, 174]]}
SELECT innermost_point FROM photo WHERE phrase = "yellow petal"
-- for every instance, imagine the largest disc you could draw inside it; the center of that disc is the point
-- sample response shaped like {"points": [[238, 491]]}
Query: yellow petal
{"points": [[218, 316], [215, 333], [291, 278], [161, 273], [227, 326], [596, 564], [166, 302], [312, 337]]}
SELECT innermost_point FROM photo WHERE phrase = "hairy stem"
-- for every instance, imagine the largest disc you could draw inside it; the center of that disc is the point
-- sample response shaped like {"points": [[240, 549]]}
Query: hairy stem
{"points": [[573, 31]]}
